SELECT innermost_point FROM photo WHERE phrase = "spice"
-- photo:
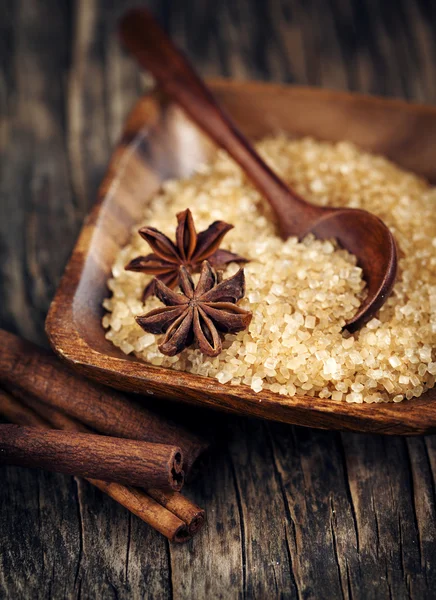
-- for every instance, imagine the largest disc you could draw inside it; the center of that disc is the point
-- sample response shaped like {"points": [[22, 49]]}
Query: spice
{"points": [[302, 292], [168, 512], [28, 368], [200, 313], [131, 462], [189, 250], [17, 413]]}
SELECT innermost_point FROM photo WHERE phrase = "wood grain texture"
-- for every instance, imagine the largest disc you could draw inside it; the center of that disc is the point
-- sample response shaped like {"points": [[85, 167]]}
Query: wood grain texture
{"points": [[292, 512]]}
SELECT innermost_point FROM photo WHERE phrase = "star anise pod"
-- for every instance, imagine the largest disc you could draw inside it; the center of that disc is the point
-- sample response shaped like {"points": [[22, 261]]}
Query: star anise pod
{"points": [[189, 250], [199, 314]]}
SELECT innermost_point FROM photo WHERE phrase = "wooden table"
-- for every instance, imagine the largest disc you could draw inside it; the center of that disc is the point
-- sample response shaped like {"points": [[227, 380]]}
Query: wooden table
{"points": [[296, 513]]}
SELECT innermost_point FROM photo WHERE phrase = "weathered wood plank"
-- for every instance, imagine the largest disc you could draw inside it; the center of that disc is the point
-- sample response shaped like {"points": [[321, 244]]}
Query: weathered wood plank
{"points": [[39, 534], [264, 521], [212, 566], [322, 536], [379, 479], [36, 199], [39, 531], [79, 530]]}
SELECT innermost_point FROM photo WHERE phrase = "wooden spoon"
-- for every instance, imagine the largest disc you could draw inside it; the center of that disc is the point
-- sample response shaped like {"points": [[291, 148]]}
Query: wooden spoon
{"points": [[360, 232]]}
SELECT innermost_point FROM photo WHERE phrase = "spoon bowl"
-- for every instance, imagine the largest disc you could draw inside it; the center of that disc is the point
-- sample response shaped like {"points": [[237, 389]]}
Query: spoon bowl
{"points": [[363, 234], [359, 232]]}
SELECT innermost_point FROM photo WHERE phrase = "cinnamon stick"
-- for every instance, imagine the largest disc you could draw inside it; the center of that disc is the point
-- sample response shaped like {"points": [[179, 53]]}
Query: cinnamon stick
{"points": [[176, 503], [168, 512], [147, 509], [95, 456], [53, 417], [17, 413], [39, 373], [179, 505]]}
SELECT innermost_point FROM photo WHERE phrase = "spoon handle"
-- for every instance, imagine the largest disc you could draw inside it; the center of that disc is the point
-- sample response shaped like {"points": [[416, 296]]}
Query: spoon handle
{"points": [[154, 51]]}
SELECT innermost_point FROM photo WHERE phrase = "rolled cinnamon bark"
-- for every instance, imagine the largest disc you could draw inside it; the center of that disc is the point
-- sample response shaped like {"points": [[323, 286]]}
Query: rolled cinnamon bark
{"points": [[168, 512], [18, 413], [175, 502], [40, 374], [54, 418], [93, 456], [183, 508], [147, 509]]}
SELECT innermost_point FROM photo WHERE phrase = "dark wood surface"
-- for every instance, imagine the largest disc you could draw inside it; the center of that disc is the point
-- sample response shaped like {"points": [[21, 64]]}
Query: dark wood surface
{"points": [[293, 512]]}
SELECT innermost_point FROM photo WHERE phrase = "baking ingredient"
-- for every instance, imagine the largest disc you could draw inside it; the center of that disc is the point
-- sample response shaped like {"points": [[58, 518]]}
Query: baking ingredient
{"points": [[302, 293], [200, 314], [168, 512], [25, 369], [190, 250]]}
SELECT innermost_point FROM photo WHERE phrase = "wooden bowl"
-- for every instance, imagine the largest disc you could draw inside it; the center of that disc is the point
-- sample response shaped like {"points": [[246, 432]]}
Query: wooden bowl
{"points": [[158, 143]]}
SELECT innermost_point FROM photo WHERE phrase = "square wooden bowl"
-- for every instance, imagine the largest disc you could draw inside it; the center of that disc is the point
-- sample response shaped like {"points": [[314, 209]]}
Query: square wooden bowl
{"points": [[158, 143]]}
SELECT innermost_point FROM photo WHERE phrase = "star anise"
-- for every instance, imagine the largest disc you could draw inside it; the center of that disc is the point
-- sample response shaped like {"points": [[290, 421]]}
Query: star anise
{"points": [[199, 314], [189, 250]]}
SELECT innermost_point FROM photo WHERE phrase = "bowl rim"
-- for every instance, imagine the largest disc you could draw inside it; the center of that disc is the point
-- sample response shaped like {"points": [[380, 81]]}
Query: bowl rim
{"points": [[408, 417]]}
